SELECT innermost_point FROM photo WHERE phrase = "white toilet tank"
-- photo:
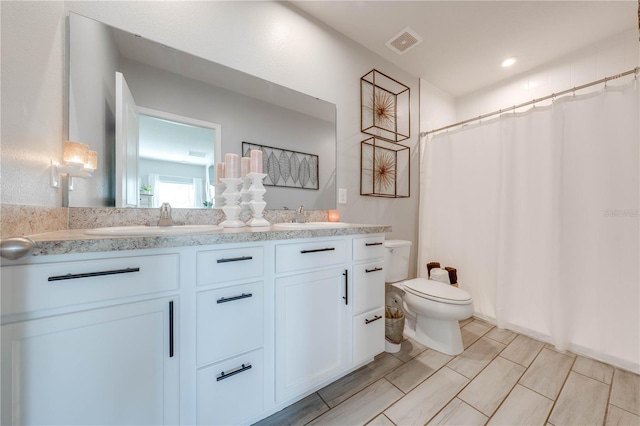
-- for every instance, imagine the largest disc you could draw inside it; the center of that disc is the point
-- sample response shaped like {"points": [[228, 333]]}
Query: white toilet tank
{"points": [[396, 260]]}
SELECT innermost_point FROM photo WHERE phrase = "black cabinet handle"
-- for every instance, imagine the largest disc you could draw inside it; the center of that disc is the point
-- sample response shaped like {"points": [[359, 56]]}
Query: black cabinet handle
{"points": [[234, 259], [317, 250], [346, 286], [171, 329], [231, 299], [223, 375], [92, 274], [373, 244], [373, 270], [375, 318]]}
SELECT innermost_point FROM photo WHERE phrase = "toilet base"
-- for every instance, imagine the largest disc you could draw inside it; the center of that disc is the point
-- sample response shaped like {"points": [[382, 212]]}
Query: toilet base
{"points": [[442, 335]]}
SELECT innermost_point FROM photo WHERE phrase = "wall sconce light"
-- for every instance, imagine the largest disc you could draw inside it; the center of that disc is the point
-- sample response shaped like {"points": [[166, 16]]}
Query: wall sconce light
{"points": [[78, 161]]}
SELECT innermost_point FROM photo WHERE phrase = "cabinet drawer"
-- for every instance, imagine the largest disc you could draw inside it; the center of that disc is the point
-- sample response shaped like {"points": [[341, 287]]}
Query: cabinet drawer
{"points": [[230, 321], [311, 254], [219, 266], [368, 248], [29, 288], [368, 335], [368, 286], [230, 399]]}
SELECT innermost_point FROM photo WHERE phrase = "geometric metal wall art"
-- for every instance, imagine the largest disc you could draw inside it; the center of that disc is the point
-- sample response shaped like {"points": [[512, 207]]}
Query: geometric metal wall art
{"points": [[384, 107], [384, 169], [286, 168]]}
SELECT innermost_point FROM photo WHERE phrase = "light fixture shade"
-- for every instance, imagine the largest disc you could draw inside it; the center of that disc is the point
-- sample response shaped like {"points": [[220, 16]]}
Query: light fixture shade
{"points": [[75, 153], [92, 161]]}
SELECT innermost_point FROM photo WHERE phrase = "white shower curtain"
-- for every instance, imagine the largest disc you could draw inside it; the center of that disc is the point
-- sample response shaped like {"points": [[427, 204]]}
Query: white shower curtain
{"points": [[539, 213]]}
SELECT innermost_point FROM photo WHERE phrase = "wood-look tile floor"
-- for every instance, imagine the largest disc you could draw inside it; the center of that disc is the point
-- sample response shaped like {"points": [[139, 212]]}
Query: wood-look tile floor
{"points": [[502, 378]]}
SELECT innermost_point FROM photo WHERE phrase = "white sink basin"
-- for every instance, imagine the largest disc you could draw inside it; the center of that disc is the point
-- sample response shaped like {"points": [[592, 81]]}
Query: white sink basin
{"points": [[310, 225], [154, 230]]}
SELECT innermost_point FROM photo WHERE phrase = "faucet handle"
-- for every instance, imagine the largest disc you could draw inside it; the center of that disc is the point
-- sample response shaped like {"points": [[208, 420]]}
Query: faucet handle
{"points": [[165, 215]]}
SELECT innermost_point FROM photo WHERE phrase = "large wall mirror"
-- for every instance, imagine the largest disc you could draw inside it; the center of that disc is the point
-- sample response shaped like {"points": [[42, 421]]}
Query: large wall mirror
{"points": [[189, 112]]}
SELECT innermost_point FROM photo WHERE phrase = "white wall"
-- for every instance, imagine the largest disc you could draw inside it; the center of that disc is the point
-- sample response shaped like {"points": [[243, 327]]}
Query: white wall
{"points": [[270, 40], [33, 100], [608, 57]]}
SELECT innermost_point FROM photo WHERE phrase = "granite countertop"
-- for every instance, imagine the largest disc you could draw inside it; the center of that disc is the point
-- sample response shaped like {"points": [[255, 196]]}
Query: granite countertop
{"points": [[76, 241]]}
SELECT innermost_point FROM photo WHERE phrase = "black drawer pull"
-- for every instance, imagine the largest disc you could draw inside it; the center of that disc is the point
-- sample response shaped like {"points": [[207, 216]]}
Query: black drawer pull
{"points": [[238, 370], [373, 270], [234, 259], [373, 244], [317, 250], [92, 274], [171, 329], [375, 318], [231, 299], [346, 286]]}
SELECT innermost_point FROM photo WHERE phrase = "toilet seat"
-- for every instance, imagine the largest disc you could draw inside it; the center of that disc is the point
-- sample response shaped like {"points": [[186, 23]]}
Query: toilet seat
{"points": [[437, 291]]}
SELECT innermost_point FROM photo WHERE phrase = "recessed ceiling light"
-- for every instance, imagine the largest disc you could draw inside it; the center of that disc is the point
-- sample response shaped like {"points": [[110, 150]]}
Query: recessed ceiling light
{"points": [[508, 62]]}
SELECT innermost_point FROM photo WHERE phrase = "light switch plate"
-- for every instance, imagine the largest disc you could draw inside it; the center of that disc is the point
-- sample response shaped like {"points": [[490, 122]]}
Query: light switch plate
{"points": [[342, 196]]}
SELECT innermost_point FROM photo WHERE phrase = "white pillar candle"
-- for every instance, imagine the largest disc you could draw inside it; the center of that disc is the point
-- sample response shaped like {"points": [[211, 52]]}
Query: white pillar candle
{"points": [[219, 172], [245, 166], [256, 161], [231, 166]]}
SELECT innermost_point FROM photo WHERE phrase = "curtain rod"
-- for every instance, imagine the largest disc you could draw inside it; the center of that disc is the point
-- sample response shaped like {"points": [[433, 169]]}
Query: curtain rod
{"points": [[533, 101]]}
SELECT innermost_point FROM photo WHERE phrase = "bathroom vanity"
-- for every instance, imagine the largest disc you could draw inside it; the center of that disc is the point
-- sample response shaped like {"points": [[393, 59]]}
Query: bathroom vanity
{"points": [[220, 328]]}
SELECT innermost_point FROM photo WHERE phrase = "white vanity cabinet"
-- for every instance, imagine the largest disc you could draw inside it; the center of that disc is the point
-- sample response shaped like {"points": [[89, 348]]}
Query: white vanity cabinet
{"points": [[230, 334], [91, 341], [368, 298], [226, 333]]}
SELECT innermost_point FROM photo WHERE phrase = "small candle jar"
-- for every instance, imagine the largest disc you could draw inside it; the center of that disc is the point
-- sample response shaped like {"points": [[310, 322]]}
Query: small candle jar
{"points": [[334, 216]]}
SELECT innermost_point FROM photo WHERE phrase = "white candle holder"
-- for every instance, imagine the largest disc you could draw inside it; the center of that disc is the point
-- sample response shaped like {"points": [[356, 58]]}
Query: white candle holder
{"points": [[257, 204], [245, 193], [231, 208], [219, 199]]}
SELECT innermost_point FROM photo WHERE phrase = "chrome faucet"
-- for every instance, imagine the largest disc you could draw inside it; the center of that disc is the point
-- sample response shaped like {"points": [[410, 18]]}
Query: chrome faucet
{"points": [[165, 215], [300, 215]]}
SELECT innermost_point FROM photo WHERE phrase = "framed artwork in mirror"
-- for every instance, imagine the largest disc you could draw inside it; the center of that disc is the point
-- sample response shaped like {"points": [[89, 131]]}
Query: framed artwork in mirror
{"points": [[286, 168]]}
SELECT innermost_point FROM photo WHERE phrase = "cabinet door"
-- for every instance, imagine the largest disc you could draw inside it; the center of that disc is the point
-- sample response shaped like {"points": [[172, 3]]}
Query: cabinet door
{"points": [[312, 330], [105, 366]]}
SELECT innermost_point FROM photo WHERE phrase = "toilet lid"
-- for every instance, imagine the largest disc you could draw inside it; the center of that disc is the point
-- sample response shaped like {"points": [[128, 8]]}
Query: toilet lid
{"points": [[437, 291]]}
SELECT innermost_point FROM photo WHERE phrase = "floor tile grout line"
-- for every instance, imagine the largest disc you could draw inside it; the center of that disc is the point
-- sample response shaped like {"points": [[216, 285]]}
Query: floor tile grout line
{"points": [[606, 411], [470, 380], [361, 390], [564, 383], [325, 402], [623, 409], [508, 393], [526, 368], [593, 378]]}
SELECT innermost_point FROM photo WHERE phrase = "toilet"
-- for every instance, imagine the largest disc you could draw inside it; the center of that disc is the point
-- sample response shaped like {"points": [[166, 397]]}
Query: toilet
{"points": [[432, 309]]}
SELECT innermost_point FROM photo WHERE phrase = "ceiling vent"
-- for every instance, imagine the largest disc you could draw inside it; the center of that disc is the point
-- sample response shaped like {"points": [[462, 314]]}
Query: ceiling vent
{"points": [[404, 41], [197, 154]]}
